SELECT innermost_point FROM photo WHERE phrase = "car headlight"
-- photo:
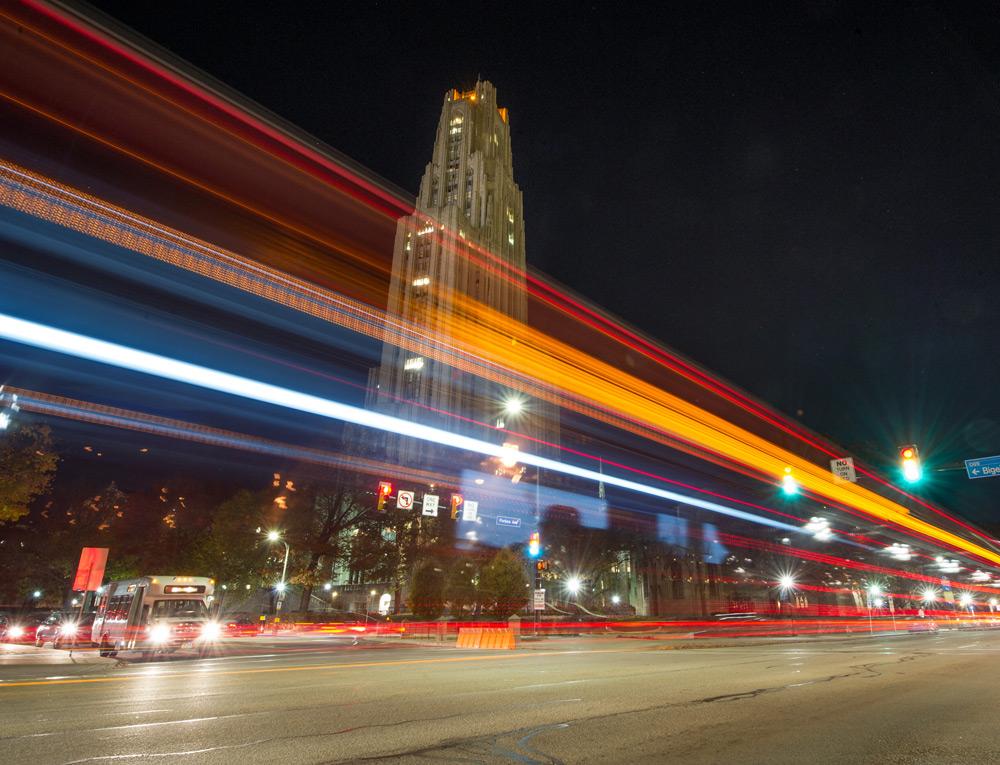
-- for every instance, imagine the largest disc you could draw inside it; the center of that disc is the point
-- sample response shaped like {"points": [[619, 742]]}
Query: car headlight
{"points": [[159, 633], [68, 629], [16, 632], [210, 631]]}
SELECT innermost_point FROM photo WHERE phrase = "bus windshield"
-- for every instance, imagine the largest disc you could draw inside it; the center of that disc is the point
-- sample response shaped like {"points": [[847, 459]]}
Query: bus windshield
{"points": [[166, 609]]}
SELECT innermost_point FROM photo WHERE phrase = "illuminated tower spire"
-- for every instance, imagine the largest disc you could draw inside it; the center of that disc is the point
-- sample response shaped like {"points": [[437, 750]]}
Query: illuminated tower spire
{"points": [[468, 210]]}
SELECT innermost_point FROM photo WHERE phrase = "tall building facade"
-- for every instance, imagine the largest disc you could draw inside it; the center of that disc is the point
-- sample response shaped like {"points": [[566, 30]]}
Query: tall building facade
{"points": [[468, 204]]}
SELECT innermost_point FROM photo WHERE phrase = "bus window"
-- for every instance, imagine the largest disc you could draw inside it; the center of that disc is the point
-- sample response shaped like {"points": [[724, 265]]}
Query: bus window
{"points": [[165, 609], [145, 615]]}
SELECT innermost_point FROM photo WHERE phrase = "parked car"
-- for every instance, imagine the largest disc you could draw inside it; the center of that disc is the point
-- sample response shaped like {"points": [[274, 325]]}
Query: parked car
{"points": [[22, 629], [74, 631], [241, 625], [48, 629]]}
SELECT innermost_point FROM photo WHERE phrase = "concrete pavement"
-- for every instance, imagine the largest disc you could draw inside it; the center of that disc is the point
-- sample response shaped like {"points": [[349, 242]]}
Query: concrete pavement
{"points": [[901, 699]]}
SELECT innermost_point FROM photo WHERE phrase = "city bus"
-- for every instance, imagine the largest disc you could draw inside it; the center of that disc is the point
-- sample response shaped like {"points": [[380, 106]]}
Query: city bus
{"points": [[155, 614]]}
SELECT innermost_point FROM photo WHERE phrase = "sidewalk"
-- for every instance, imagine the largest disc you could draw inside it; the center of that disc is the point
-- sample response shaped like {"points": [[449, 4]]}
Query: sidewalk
{"points": [[15, 654]]}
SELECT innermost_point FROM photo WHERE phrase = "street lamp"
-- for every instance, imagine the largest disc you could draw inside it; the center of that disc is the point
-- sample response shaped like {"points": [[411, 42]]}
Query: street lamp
{"points": [[275, 536], [573, 585], [513, 405], [786, 582], [36, 594], [616, 599]]}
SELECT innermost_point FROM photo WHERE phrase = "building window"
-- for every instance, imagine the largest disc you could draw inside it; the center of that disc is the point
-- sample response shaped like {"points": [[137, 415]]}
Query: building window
{"points": [[422, 281], [414, 364]]}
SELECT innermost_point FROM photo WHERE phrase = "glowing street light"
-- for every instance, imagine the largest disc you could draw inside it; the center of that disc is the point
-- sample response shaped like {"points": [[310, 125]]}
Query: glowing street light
{"points": [[616, 599], [965, 599], [786, 582], [929, 595], [819, 528], [513, 405], [874, 590], [275, 536], [328, 586], [899, 551], [573, 585]]}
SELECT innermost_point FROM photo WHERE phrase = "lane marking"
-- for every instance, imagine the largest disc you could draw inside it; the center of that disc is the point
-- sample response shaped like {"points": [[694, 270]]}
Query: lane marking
{"points": [[302, 668]]}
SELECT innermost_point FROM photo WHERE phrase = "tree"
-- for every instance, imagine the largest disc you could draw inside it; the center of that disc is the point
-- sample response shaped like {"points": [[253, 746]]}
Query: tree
{"points": [[27, 466], [317, 518], [427, 591], [232, 551], [503, 585], [460, 588]]}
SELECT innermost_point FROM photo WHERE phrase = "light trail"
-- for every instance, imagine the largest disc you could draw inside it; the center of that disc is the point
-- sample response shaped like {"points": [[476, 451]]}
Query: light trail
{"points": [[120, 356], [481, 342], [127, 419], [105, 49]]}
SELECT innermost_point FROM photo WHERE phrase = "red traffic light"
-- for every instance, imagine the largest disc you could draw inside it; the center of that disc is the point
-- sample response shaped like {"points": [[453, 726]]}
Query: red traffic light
{"points": [[384, 488], [908, 452]]}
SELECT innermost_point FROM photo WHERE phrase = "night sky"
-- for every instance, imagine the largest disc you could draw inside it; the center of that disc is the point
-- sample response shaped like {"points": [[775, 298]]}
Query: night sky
{"points": [[802, 197]]}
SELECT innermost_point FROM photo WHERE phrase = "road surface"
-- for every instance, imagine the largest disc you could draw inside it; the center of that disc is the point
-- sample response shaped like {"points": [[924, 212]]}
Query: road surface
{"points": [[892, 699]]}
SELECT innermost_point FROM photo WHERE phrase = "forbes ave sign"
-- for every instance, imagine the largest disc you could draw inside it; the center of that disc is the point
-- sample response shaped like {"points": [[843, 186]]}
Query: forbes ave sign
{"points": [[983, 467]]}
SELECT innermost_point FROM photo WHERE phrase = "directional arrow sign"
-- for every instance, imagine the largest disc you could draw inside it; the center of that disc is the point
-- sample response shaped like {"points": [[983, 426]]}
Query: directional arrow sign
{"points": [[983, 467]]}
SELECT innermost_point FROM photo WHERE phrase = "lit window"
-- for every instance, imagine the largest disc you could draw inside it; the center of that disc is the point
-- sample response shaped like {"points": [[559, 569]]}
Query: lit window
{"points": [[423, 281], [510, 216], [414, 364], [456, 130], [510, 239], [456, 120], [425, 231]]}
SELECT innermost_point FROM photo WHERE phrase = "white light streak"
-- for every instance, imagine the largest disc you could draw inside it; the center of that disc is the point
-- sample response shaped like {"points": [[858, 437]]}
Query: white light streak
{"points": [[120, 356]]}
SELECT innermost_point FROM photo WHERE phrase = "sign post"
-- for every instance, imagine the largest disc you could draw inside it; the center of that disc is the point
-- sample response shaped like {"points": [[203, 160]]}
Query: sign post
{"points": [[983, 467]]}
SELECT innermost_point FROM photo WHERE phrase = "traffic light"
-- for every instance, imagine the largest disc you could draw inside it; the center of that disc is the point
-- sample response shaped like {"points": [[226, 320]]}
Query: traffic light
{"points": [[909, 459], [384, 490], [534, 544], [541, 565], [456, 505], [788, 483]]}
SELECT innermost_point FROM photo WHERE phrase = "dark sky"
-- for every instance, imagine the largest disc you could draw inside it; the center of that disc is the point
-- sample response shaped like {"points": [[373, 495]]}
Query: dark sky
{"points": [[802, 196]]}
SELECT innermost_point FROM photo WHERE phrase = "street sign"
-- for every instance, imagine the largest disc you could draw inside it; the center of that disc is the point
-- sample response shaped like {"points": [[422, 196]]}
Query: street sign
{"points": [[404, 500], [983, 467], [470, 510], [430, 506], [843, 470], [538, 603], [508, 522]]}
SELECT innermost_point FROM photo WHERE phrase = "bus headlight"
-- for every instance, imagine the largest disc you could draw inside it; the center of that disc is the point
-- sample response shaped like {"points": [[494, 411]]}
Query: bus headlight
{"points": [[68, 629], [159, 633], [16, 632], [211, 631]]}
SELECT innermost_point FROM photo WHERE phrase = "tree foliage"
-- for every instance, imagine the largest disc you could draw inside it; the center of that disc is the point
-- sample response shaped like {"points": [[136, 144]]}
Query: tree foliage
{"points": [[502, 585], [27, 467], [427, 590]]}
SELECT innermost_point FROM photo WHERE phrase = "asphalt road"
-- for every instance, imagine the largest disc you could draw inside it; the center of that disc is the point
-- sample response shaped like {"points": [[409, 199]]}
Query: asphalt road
{"points": [[918, 698]]}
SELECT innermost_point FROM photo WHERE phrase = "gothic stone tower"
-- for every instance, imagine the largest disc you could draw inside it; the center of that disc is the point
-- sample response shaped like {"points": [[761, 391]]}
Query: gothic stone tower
{"points": [[468, 200]]}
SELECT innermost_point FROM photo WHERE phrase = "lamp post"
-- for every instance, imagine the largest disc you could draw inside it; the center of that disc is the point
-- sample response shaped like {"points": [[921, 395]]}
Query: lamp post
{"points": [[274, 536]]}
